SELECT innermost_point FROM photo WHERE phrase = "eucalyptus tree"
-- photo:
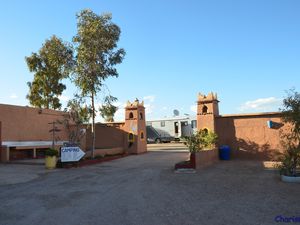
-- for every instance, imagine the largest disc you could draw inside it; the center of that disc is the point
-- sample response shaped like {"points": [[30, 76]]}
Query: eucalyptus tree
{"points": [[53, 62], [108, 110], [97, 55]]}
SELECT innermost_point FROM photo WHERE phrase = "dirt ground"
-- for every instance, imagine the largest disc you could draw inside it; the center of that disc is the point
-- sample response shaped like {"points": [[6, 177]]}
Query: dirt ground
{"points": [[144, 189]]}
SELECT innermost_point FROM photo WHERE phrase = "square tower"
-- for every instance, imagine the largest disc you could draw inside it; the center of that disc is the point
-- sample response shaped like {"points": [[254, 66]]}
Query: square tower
{"points": [[135, 127], [207, 110]]}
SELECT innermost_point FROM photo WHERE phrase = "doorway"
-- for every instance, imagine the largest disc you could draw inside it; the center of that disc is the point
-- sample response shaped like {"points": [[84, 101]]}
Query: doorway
{"points": [[176, 128]]}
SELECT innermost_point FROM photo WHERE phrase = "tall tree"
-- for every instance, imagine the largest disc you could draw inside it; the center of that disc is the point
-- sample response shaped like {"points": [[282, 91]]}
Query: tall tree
{"points": [[50, 66], [97, 55], [108, 110]]}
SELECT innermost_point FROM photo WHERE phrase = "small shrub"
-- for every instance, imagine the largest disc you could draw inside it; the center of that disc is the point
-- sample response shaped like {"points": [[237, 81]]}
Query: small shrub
{"points": [[208, 139], [193, 143], [291, 140], [290, 161], [51, 152], [202, 139]]}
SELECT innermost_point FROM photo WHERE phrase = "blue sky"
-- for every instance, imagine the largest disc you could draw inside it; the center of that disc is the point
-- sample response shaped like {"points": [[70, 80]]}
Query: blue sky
{"points": [[246, 51]]}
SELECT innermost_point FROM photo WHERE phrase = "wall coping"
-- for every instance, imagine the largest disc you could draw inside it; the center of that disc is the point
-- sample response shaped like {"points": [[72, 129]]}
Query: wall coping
{"points": [[112, 123], [251, 114], [33, 108]]}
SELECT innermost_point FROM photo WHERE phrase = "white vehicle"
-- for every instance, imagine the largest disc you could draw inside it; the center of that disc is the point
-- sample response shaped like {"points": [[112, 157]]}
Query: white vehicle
{"points": [[176, 127]]}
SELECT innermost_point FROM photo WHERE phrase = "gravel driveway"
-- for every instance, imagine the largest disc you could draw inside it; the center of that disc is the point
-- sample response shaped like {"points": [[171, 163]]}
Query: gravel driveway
{"points": [[144, 189]]}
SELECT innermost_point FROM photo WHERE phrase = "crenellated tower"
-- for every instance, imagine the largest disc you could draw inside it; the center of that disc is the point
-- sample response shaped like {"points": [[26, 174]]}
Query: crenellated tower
{"points": [[207, 110], [135, 127]]}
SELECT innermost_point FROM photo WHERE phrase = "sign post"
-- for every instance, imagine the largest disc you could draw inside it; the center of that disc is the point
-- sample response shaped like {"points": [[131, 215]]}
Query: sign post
{"points": [[71, 154]]}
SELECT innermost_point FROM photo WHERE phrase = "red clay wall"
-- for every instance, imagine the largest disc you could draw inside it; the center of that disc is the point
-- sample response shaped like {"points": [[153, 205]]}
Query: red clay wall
{"points": [[28, 124], [0, 133], [31, 124], [107, 136], [206, 157], [249, 136]]}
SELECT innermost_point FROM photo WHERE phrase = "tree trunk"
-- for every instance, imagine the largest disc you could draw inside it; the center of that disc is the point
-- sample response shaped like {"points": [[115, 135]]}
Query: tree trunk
{"points": [[93, 126], [53, 134]]}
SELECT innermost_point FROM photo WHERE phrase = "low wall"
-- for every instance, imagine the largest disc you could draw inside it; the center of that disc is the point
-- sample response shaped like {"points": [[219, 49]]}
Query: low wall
{"points": [[105, 151], [206, 157], [4, 156]]}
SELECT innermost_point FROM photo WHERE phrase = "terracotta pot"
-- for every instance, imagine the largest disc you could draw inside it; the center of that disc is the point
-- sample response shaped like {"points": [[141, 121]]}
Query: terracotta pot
{"points": [[193, 159], [289, 179]]}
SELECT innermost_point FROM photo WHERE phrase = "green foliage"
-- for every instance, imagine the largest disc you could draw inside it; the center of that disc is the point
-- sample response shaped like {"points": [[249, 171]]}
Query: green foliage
{"points": [[50, 66], [78, 111], [208, 139], [51, 152], [291, 113], [95, 60], [108, 110], [291, 140], [202, 139], [76, 115], [193, 143], [290, 161], [97, 55]]}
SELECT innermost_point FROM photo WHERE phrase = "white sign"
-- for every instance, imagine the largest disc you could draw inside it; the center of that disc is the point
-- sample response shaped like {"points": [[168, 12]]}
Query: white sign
{"points": [[71, 154]]}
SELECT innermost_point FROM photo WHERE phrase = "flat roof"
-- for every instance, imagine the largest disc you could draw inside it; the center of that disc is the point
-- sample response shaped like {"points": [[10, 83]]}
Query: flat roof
{"points": [[173, 118], [30, 143]]}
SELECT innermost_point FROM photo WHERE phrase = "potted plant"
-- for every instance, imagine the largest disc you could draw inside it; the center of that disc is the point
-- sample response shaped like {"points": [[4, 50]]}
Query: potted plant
{"points": [[194, 144], [202, 139], [290, 160], [51, 158]]}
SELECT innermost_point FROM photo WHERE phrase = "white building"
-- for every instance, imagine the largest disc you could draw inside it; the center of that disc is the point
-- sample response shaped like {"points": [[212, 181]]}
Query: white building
{"points": [[177, 126]]}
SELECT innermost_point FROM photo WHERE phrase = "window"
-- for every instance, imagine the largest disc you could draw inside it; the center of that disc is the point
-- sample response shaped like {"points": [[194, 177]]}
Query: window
{"points": [[142, 135], [205, 130], [194, 123], [162, 123], [204, 109], [130, 115], [130, 137], [141, 116]]}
